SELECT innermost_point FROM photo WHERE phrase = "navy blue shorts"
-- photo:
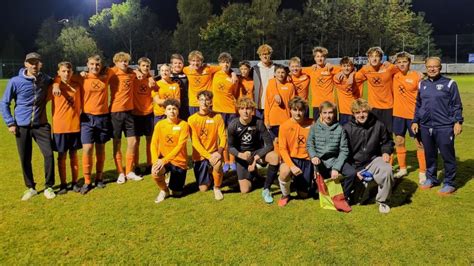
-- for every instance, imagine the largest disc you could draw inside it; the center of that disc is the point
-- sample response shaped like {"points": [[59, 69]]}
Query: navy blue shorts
{"points": [[177, 177], [202, 172], [227, 117], [242, 168], [193, 110], [385, 116], [122, 121], [158, 118], [344, 119], [143, 125], [303, 182], [274, 131], [315, 113], [95, 128], [64, 142], [401, 126], [259, 114]]}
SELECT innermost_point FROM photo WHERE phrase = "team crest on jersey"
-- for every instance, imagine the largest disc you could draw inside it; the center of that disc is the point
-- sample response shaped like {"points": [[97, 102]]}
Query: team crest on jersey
{"points": [[439, 86], [239, 129], [247, 138], [251, 128]]}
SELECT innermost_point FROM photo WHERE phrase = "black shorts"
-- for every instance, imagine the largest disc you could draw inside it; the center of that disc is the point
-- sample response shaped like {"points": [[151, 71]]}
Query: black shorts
{"points": [[193, 110], [177, 177], [304, 181], [143, 125], [385, 116], [274, 132], [228, 117], [95, 128], [63, 142], [242, 168], [122, 122], [157, 119], [315, 113], [344, 119], [202, 172]]}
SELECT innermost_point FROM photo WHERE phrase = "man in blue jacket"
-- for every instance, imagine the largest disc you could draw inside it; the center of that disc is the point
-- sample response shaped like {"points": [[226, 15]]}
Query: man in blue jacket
{"points": [[438, 119], [29, 90]]}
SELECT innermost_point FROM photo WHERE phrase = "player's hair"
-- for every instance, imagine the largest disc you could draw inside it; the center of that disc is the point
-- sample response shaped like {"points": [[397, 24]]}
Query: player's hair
{"points": [[401, 55], [144, 59], [247, 64], [95, 57], [121, 56], [346, 60], [66, 64], [433, 58], [298, 103], [327, 105], [375, 49], [166, 65], [360, 104], [173, 102], [294, 59], [244, 102], [278, 66], [320, 49], [177, 56], [207, 94], [264, 49], [194, 54], [224, 57]]}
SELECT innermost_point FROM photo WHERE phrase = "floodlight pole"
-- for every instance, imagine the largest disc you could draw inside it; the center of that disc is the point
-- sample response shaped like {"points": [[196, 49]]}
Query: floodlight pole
{"points": [[456, 51]]}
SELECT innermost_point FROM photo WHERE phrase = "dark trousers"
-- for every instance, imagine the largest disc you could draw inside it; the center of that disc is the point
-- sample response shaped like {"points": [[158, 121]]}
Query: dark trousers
{"points": [[442, 139], [24, 140], [350, 179]]}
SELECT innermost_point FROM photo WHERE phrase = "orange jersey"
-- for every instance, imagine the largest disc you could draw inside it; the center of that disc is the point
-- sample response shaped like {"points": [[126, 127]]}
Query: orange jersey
{"points": [[121, 92], [95, 95], [275, 114], [165, 91], [346, 94], [245, 87], [225, 93], [142, 99], [66, 108], [292, 138], [322, 86], [405, 90], [169, 142], [379, 85], [199, 80], [302, 85], [208, 134]]}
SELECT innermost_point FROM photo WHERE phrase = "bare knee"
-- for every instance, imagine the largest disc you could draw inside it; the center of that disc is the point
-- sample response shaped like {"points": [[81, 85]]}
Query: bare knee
{"points": [[272, 158], [203, 188], [399, 141], [285, 173], [245, 186]]}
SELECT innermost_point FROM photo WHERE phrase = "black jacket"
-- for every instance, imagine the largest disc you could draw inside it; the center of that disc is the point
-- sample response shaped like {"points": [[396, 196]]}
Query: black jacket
{"points": [[367, 141]]}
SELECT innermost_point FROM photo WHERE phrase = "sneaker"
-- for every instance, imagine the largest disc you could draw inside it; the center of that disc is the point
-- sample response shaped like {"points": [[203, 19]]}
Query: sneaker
{"points": [[62, 189], [226, 168], [446, 190], [99, 184], [428, 184], [401, 173], [75, 187], [218, 194], [49, 193], [267, 196], [28, 194], [283, 201], [121, 179], [421, 178], [85, 188], [233, 167], [384, 208], [133, 176], [162, 196]]}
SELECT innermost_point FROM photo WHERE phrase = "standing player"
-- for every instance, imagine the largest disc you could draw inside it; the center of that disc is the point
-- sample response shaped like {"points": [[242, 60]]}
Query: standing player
{"points": [[321, 75], [167, 89], [66, 111], [300, 80], [168, 151], [347, 90], [279, 92], [209, 139], [143, 112], [225, 95], [178, 76], [121, 106], [292, 139], [405, 89], [245, 80], [262, 73], [251, 143], [379, 85]]}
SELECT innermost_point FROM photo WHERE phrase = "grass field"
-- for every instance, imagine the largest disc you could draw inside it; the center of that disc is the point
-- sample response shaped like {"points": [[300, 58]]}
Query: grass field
{"points": [[122, 224]]}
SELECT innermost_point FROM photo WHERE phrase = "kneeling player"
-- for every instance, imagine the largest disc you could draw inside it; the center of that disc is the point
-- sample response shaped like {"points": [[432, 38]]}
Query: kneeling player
{"points": [[250, 142], [168, 151], [209, 140], [292, 145]]}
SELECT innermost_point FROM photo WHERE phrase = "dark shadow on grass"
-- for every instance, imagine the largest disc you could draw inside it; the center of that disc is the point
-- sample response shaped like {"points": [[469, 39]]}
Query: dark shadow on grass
{"points": [[402, 192]]}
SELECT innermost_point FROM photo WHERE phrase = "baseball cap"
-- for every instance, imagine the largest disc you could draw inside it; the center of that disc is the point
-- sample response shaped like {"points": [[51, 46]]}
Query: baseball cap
{"points": [[32, 56]]}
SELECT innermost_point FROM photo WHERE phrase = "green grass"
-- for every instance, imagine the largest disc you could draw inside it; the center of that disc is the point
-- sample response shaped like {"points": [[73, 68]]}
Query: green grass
{"points": [[122, 224]]}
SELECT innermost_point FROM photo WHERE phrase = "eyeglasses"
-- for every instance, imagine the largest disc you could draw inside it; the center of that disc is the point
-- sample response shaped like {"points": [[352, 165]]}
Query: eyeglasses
{"points": [[432, 67]]}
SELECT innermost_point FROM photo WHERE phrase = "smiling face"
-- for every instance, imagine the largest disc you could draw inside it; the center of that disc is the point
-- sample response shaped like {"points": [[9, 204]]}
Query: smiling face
{"points": [[280, 75], [122, 65], [375, 59], [347, 68], [295, 68], [265, 58], [297, 113], [320, 59], [327, 116], [205, 104], [361, 115], [403, 64], [144, 67], [433, 68], [195, 62], [177, 65], [225, 66], [171, 112], [65, 73], [94, 66], [244, 71]]}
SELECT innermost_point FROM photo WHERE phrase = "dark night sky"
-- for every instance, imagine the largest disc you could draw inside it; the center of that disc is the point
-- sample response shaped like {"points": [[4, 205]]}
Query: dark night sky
{"points": [[23, 17]]}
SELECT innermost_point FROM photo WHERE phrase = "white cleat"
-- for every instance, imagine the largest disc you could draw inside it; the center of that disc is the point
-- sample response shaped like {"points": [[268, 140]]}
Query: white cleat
{"points": [[134, 177], [162, 196], [401, 173], [218, 194], [121, 179]]}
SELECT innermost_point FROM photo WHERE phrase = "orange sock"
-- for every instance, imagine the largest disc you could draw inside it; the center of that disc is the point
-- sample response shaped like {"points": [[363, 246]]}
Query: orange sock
{"points": [[421, 160], [226, 155], [231, 158], [62, 169], [99, 165], [86, 168], [129, 164], [402, 157], [275, 147], [73, 162], [217, 178], [118, 162]]}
